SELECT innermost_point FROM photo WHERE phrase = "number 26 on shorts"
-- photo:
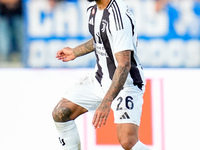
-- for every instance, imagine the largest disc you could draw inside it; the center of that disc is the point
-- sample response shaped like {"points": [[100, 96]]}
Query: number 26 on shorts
{"points": [[128, 102]]}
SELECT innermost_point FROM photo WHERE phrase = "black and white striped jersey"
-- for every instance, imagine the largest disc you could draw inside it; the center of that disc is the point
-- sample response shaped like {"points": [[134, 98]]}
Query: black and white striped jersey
{"points": [[113, 30]]}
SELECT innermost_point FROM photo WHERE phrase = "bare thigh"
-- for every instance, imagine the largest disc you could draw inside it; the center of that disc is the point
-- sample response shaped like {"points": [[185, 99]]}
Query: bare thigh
{"points": [[66, 110], [127, 135]]}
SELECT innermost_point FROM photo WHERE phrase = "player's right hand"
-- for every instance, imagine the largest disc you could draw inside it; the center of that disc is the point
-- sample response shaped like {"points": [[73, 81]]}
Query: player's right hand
{"points": [[65, 54]]}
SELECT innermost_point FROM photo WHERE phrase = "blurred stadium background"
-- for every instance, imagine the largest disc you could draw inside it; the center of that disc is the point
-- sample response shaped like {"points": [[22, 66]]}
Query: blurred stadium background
{"points": [[32, 80], [168, 32]]}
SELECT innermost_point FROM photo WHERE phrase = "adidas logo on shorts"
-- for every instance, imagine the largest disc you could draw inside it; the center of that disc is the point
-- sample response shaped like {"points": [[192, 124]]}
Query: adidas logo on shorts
{"points": [[125, 116]]}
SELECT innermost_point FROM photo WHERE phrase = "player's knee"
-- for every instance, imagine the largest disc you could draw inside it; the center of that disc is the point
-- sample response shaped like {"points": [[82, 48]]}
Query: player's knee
{"points": [[61, 114], [127, 143]]}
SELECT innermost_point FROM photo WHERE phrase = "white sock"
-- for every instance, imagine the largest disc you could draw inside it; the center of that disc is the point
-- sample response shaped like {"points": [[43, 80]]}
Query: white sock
{"points": [[68, 135], [140, 146]]}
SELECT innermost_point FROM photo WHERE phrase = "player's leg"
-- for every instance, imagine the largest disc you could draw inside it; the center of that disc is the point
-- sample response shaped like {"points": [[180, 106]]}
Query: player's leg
{"points": [[64, 114], [66, 110], [127, 108], [128, 137], [80, 98]]}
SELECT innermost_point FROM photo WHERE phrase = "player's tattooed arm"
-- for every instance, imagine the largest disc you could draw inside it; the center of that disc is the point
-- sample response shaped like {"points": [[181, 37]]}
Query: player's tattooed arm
{"points": [[83, 49], [67, 54], [124, 64]]}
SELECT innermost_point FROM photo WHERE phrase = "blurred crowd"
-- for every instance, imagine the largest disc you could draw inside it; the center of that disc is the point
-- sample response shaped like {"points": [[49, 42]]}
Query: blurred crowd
{"points": [[12, 31]]}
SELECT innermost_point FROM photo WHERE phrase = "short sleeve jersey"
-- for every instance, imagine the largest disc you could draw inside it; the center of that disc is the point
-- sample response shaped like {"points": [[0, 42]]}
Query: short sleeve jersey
{"points": [[113, 31]]}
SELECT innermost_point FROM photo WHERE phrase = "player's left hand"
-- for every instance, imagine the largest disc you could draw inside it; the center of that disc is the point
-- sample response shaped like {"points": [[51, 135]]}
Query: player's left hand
{"points": [[101, 115]]}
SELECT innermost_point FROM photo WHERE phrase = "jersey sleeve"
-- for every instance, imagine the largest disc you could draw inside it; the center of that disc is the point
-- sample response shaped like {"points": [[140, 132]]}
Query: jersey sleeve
{"points": [[122, 34]]}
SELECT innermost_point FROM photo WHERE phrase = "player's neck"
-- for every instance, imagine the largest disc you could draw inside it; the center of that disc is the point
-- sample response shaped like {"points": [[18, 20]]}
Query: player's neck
{"points": [[102, 4]]}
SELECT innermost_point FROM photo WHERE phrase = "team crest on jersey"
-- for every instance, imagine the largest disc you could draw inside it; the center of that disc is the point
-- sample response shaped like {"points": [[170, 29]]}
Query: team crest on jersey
{"points": [[93, 11], [104, 23]]}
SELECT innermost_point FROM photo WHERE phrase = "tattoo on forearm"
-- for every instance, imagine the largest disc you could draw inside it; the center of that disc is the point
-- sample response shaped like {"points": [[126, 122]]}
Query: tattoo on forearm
{"points": [[84, 48], [120, 76], [89, 46], [119, 79]]}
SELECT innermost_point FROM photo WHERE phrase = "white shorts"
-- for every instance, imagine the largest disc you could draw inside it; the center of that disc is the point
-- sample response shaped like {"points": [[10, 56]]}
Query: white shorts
{"points": [[127, 106]]}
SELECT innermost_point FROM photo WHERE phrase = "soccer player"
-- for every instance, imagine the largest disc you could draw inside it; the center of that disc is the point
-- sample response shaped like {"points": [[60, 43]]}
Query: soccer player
{"points": [[117, 81]]}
